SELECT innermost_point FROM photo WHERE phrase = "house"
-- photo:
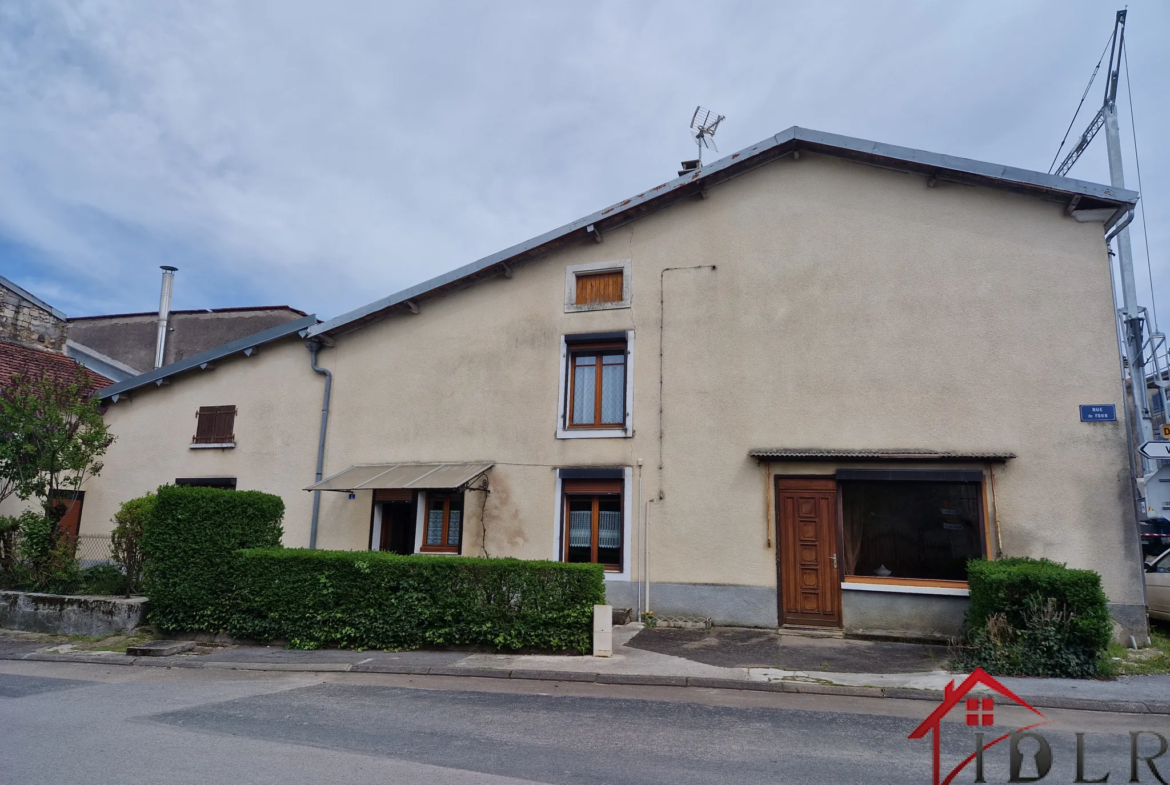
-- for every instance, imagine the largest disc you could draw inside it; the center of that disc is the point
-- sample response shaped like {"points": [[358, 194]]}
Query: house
{"points": [[33, 341], [802, 385], [131, 338]]}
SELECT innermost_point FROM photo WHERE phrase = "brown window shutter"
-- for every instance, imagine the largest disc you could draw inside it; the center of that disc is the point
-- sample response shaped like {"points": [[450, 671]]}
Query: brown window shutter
{"points": [[592, 486], [225, 425], [216, 425], [603, 287]]}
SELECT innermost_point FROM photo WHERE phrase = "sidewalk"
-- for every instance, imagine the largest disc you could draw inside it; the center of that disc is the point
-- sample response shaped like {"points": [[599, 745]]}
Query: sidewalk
{"points": [[724, 658]]}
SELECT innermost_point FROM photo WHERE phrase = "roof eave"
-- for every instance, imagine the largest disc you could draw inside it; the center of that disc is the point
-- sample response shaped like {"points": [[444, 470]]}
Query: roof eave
{"points": [[211, 355], [907, 159]]}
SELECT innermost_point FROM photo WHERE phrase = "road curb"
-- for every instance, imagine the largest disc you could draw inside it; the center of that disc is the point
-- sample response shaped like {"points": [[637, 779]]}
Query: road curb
{"points": [[626, 679]]}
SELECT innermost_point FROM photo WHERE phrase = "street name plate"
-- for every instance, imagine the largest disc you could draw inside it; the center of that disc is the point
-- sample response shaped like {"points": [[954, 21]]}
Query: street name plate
{"points": [[1098, 412]]}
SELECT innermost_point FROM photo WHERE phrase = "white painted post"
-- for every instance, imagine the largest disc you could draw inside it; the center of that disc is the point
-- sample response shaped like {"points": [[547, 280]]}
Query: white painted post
{"points": [[602, 630]]}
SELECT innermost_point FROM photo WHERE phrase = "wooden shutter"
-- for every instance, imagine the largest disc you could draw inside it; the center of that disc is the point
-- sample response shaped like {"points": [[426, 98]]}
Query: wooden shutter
{"points": [[599, 486], [604, 287], [216, 425]]}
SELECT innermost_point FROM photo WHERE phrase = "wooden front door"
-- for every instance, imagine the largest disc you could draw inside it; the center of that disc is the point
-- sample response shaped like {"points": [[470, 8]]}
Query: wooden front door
{"points": [[71, 521], [810, 584]]}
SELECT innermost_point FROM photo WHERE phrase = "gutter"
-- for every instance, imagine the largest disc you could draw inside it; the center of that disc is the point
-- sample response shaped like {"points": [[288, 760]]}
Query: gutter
{"points": [[314, 346]]}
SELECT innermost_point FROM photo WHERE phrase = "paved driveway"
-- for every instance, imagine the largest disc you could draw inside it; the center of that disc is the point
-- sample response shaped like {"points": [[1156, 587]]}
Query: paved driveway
{"points": [[732, 647]]}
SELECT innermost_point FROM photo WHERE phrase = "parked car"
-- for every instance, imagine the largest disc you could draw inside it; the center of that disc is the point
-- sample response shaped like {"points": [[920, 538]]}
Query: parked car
{"points": [[1158, 586]]}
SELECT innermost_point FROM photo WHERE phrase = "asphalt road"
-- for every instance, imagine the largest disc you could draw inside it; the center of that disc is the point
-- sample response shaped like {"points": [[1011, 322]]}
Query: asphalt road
{"points": [[72, 723]]}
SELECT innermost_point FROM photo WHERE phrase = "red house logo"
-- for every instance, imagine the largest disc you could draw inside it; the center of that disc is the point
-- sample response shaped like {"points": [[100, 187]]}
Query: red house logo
{"points": [[980, 712]]}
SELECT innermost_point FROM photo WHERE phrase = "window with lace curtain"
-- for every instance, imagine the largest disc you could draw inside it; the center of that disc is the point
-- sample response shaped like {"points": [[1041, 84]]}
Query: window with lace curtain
{"points": [[443, 532], [597, 385], [593, 522]]}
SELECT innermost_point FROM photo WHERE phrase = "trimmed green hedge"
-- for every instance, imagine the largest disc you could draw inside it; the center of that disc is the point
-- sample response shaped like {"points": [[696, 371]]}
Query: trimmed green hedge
{"points": [[189, 544], [356, 599], [1035, 617]]}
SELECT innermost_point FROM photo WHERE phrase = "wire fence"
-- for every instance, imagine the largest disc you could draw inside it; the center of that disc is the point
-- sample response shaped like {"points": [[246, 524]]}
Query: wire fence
{"points": [[93, 549]]}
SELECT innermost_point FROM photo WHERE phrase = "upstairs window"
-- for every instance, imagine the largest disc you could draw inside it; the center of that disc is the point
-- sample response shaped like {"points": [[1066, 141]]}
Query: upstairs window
{"points": [[602, 287], [216, 425], [597, 286], [444, 522], [597, 385]]}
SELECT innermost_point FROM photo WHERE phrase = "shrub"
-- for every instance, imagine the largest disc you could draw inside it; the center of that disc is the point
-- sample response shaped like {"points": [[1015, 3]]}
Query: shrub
{"points": [[47, 561], [189, 543], [126, 539], [101, 579], [1034, 617], [9, 531], [375, 600]]}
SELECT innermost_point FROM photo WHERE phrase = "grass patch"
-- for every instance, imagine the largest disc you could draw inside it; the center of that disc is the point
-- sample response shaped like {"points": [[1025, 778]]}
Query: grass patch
{"points": [[115, 642], [1147, 661]]}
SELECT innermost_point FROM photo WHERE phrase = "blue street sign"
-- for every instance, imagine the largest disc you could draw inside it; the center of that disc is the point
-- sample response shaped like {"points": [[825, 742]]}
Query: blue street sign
{"points": [[1098, 412]]}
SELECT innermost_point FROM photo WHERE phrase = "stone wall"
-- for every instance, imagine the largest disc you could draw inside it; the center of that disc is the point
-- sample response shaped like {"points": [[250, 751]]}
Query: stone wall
{"points": [[26, 323], [71, 615]]}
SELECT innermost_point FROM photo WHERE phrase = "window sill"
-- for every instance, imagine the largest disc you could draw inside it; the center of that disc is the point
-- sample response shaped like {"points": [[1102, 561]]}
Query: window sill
{"points": [[593, 433], [583, 307], [908, 586], [219, 446], [430, 552]]}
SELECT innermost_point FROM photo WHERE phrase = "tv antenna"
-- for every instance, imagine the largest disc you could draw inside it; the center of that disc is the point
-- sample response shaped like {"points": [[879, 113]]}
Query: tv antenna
{"points": [[704, 122]]}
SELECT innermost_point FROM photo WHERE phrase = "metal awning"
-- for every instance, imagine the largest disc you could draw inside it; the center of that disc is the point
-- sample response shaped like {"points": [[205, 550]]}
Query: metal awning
{"points": [[382, 476]]}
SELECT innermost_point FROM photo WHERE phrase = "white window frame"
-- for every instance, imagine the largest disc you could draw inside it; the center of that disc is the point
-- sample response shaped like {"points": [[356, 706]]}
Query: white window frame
{"points": [[573, 270], [420, 522], [627, 524], [626, 431]]}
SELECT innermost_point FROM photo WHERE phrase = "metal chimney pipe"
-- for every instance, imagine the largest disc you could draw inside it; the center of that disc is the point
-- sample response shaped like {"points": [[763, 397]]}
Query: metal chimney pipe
{"points": [[164, 312]]}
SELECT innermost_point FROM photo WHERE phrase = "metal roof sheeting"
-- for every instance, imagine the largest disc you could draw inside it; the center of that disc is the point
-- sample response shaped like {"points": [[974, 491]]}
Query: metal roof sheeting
{"points": [[386, 476], [934, 165], [816, 454], [211, 355]]}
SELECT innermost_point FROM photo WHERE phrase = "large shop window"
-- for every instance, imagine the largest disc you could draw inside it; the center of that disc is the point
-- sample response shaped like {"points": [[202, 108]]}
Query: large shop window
{"points": [[444, 522], [597, 385], [911, 530], [593, 522]]}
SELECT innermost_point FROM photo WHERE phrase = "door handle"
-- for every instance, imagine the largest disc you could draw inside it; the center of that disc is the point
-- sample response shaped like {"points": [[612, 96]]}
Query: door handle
{"points": [[834, 557]]}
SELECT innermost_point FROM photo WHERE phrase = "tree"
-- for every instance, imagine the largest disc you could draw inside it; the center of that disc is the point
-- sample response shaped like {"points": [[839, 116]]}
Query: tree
{"points": [[52, 437]]}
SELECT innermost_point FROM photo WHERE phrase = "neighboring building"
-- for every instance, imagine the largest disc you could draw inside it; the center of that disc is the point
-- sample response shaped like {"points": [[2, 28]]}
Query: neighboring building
{"points": [[131, 338], [33, 339], [802, 385]]}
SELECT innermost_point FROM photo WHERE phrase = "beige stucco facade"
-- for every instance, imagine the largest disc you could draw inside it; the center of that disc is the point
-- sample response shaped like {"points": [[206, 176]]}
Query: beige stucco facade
{"points": [[807, 303]]}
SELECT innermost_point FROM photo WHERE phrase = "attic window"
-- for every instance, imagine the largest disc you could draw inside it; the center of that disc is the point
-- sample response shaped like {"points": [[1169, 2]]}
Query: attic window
{"points": [[215, 427], [597, 286]]}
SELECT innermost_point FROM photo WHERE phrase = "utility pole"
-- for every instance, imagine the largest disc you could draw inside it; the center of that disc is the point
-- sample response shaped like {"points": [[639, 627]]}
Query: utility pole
{"points": [[1131, 312]]}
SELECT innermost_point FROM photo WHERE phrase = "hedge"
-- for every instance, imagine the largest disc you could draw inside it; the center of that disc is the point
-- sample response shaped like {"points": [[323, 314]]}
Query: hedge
{"points": [[1035, 617], [189, 543], [378, 600]]}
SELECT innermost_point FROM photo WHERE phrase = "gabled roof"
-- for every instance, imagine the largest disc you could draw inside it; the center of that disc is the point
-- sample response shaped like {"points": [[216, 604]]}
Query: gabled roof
{"points": [[1076, 193], [32, 298], [190, 312], [240, 345], [15, 359]]}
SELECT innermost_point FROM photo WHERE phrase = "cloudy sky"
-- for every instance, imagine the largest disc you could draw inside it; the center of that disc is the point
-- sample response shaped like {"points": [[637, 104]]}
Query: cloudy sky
{"points": [[323, 154]]}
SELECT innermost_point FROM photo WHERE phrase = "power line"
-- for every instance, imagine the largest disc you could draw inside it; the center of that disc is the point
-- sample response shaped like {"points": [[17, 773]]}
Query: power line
{"points": [[1142, 200], [1088, 87]]}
